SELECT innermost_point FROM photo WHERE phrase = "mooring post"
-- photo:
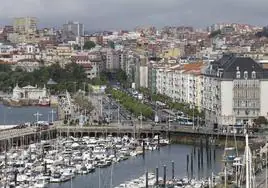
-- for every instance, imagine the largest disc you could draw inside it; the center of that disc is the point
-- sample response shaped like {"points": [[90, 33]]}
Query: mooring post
{"points": [[165, 175], [156, 175], [173, 170]]}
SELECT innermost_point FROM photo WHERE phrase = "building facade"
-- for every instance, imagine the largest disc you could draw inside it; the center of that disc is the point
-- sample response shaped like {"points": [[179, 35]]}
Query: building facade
{"points": [[25, 25], [72, 30], [91, 66], [231, 90], [112, 60], [29, 92], [235, 90]]}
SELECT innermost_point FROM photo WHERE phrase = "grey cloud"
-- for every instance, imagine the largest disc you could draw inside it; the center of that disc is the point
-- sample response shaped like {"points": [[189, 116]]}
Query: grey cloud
{"points": [[103, 14]]}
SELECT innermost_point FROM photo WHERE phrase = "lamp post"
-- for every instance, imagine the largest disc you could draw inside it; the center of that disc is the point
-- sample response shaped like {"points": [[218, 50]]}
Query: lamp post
{"points": [[52, 116], [193, 107], [37, 115], [118, 112], [266, 173], [141, 121]]}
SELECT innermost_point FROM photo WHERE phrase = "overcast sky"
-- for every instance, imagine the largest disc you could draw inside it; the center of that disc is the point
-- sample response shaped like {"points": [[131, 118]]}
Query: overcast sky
{"points": [[115, 14]]}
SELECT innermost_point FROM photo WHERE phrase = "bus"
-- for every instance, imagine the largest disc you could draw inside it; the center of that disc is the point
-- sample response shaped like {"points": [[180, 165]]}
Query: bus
{"points": [[184, 121]]}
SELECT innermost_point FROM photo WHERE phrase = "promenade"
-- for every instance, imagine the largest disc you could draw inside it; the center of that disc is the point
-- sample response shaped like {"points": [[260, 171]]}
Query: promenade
{"points": [[137, 130]]}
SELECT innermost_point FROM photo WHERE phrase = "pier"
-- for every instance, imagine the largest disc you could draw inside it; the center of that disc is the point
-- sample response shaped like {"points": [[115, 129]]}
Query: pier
{"points": [[28, 135]]}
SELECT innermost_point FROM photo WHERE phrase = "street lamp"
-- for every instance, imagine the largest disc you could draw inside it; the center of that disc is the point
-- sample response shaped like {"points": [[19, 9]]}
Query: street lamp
{"points": [[168, 122], [37, 115], [141, 121], [52, 116], [118, 113], [193, 107]]}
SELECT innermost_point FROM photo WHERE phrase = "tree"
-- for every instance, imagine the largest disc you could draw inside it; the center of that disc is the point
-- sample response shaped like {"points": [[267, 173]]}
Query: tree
{"points": [[71, 77], [131, 104], [215, 33], [111, 44], [5, 68], [261, 120], [263, 33], [89, 45], [83, 102], [76, 47]]}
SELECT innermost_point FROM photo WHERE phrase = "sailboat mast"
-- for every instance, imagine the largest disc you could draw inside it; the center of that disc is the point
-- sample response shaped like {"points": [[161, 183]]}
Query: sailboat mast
{"points": [[247, 163], [266, 166], [99, 179], [111, 183]]}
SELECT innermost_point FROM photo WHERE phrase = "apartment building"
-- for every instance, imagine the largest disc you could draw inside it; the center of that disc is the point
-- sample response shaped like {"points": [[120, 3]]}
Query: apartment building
{"points": [[234, 91], [112, 60], [72, 30], [183, 83], [25, 25], [91, 66], [230, 90]]}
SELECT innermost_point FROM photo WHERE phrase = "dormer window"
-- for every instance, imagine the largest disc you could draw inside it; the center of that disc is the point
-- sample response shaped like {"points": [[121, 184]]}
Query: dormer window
{"points": [[253, 75], [238, 74], [246, 74]]}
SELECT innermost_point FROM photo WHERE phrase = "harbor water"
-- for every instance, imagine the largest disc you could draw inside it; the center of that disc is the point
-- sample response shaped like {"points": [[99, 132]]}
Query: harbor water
{"points": [[19, 115], [136, 166]]}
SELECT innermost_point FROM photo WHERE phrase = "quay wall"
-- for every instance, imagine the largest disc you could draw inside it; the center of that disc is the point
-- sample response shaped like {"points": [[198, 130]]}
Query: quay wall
{"points": [[195, 140], [25, 136]]}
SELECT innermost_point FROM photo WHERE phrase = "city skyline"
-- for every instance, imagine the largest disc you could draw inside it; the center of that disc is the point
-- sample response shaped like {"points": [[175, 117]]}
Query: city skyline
{"points": [[119, 14]]}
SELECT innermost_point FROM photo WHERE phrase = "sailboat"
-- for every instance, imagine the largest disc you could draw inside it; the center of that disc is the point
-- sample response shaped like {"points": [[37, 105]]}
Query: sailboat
{"points": [[250, 175], [244, 169], [230, 156]]}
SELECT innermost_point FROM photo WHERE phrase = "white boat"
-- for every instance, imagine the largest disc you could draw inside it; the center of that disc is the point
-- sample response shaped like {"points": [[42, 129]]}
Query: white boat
{"points": [[41, 183], [56, 178], [67, 175]]}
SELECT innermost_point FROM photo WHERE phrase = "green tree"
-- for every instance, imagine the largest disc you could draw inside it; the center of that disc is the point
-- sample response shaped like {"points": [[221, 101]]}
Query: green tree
{"points": [[131, 104], [83, 102], [261, 120], [76, 47], [5, 68], [215, 33], [89, 45], [71, 77], [111, 44]]}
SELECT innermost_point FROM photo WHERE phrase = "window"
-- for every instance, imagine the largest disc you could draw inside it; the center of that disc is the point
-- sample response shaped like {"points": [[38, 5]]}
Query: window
{"points": [[253, 75], [238, 74], [246, 74]]}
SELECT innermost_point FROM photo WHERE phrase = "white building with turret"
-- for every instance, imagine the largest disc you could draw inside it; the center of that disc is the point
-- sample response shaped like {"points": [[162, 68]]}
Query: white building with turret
{"points": [[29, 92]]}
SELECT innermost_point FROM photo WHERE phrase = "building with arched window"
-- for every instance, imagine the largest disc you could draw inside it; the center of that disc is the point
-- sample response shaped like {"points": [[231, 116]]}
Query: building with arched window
{"points": [[29, 92]]}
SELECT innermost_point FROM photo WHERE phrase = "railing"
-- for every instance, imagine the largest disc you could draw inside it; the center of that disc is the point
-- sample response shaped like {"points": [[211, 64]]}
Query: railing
{"points": [[13, 133]]}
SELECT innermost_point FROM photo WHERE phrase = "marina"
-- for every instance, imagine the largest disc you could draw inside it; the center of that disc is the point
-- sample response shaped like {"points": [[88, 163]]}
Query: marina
{"points": [[52, 153], [100, 158]]}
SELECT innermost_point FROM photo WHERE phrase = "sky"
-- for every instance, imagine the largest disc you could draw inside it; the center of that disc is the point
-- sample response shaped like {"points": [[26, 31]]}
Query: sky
{"points": [[127, 14]]}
